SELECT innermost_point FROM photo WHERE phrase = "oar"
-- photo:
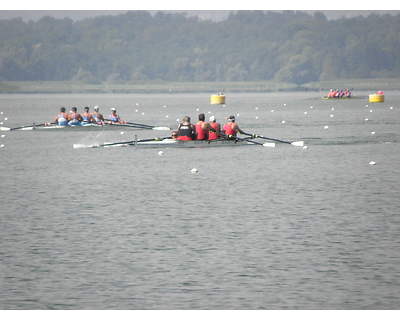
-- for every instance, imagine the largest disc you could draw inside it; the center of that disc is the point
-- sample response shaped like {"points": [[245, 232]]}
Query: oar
{"points": [[237, 138], [80, 146], [139, 126], [295, 143], [133, 141], [25, 127], [146, 126]]}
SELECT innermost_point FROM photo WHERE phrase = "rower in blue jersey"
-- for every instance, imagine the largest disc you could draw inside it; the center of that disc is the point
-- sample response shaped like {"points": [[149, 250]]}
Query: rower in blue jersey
{"points": [[86, 116], [62, 118], [75, 118], [97, 117], [114, 117]]}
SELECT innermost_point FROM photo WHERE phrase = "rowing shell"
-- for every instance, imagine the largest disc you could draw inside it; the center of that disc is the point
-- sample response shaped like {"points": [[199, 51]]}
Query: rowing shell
{"points": [[342, 98], [170, 143], [84, 127]]}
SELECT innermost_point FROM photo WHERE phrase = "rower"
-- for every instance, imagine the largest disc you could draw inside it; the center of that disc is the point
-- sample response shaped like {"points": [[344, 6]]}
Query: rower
{"points": [[86, 116], [62, 118], [231, 128], [97, 117], [186, 130], [217, 128], [114, 118], [203, 129], [75, 118]]}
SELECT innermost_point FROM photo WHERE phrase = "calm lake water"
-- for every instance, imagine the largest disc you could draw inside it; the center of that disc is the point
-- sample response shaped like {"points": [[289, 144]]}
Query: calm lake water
{"points": [[254, 228]]}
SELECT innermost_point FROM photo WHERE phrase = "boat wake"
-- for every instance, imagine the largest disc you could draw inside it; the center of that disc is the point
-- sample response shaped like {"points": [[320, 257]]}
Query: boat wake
{"points": [[92, 141]]}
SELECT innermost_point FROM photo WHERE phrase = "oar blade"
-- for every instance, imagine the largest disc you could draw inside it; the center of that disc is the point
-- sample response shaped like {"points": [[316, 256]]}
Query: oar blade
{"points": [[269, 144], [81, 146], [298, 143], [5, 129]]}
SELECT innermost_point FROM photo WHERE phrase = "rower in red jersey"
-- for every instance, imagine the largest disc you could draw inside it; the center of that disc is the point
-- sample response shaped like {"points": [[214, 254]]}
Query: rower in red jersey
{"points": [[231, 128]]}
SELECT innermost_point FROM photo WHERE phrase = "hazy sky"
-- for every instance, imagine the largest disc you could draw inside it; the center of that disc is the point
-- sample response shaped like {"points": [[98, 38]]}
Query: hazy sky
{"points": [[215, 15], [206, 9]]}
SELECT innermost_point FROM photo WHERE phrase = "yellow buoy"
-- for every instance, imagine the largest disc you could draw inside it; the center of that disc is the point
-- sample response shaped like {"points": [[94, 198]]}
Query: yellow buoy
{"points": [[376, 98], [218, 99]]}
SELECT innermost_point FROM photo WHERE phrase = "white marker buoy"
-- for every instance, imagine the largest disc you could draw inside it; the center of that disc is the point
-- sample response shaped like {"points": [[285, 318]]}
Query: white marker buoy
{"points": [[373, 132], [372, 163], [194, 170], [305, 147], [160, 153], [326, 127]]}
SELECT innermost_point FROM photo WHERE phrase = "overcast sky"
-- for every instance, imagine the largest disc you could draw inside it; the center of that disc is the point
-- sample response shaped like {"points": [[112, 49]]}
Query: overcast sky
{"points": [[206, 9], [215, 15]]}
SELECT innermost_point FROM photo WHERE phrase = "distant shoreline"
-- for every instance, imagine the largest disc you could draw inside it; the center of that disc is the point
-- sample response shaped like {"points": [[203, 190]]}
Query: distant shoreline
{"points": [[26, 87]]}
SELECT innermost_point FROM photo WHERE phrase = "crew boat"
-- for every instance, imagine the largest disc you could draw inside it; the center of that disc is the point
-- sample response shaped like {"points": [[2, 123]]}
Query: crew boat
{"points": [[86, 127], [168, 142]]}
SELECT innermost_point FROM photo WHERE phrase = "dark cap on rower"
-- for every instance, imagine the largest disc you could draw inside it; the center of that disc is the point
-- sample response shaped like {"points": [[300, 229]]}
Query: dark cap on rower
{"points": [[62, 109], [73, 108], [232, 118], [86, 108]]}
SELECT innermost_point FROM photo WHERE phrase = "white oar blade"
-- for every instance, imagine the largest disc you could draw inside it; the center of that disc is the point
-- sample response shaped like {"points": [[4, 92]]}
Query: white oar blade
{"points": [[269, 144], [26, 129], [4, 129], [115, 144], [80, 146], [298, 143], [161, 128]]}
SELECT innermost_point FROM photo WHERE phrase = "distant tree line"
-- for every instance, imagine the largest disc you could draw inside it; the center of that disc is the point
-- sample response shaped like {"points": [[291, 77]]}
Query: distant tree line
{"points": [[290, 46]]}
